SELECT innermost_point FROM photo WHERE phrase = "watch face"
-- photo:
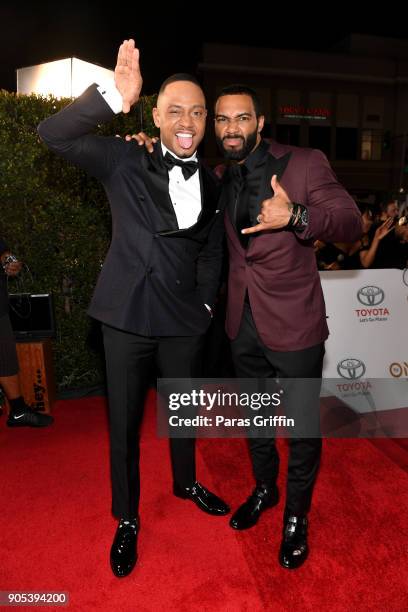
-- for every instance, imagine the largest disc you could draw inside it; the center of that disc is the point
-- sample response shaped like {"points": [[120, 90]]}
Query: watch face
{"points": [[304, 217]]}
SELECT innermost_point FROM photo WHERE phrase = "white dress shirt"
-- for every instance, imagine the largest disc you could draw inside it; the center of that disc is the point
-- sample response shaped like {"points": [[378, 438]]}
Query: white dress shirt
{"points": [[185, 195]]}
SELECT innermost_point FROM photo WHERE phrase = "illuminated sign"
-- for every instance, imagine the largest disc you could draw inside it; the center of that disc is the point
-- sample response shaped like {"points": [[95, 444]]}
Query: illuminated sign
{"points": [[304, 112]]}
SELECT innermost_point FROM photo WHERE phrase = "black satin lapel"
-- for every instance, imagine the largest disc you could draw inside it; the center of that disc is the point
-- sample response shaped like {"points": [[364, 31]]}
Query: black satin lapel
{"points": [[157, 184], [272, 166], [279, 166], [210, 190], [227, 199]]}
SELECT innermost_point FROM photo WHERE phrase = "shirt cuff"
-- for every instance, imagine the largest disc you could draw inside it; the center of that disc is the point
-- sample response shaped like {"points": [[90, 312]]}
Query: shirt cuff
{"points": [[209, 309], [111, 96]]}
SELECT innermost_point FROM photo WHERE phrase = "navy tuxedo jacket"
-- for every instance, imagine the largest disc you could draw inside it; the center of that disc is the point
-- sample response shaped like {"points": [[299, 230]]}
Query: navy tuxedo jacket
{"points": [[156, 277]]}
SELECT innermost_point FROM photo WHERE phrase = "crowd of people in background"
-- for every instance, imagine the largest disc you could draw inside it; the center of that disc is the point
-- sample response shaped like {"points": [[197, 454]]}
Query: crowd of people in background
{"points": [[384, 243]]}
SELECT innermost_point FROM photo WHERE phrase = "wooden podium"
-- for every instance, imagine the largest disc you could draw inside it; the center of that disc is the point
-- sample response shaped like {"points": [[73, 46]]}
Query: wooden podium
{"points": [[37, 374]]}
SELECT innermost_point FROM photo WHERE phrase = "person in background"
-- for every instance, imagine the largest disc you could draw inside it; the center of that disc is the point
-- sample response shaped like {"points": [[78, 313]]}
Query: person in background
{"points": [[389, 209], [21, 415], [380, 244]]}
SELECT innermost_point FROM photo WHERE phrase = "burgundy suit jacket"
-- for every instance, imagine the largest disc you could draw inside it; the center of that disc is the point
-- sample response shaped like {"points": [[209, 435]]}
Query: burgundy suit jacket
{"points": [[278, 268]]}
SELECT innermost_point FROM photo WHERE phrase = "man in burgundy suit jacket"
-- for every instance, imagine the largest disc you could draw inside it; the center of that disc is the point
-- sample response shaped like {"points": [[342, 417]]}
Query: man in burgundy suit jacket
{"points": [[278, 199]]}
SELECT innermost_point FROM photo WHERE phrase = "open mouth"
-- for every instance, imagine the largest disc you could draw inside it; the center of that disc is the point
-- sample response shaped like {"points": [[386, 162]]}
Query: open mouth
{"points": [[233, 142], [184, 139]]}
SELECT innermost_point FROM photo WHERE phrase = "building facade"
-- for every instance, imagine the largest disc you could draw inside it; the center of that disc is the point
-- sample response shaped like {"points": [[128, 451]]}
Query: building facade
{"points": [[352, 103]]}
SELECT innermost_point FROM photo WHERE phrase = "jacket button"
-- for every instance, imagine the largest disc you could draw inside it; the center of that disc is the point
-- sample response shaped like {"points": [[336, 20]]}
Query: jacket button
{"points": [[178, 282], [249, 261], [149, 270]]}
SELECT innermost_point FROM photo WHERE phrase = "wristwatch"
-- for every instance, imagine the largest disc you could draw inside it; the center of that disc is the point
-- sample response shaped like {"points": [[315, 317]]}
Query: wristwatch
{"points": [[299, 218], [303, 219]]}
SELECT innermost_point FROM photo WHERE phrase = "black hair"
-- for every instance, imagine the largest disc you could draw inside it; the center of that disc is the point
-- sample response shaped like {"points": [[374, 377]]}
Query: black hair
{"points": [[370, 209], [386, 202], [179, 76], [243, 90]]}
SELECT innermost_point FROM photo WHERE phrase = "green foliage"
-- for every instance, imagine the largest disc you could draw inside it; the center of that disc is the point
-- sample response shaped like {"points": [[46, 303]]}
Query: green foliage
{"points": [[57, 220]]}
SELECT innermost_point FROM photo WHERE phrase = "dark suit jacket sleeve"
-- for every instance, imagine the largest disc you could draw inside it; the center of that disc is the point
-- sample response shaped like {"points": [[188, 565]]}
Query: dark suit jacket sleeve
{"points": [[3, 247], [67, 133], [209, 262], [333, 214]]}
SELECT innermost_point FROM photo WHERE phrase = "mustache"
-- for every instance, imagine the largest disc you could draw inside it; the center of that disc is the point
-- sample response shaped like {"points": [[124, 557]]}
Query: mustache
{"points": [[236, 136]]}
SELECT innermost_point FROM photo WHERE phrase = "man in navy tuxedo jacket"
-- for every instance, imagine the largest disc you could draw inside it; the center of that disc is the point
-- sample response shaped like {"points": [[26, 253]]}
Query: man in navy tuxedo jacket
{"points": [[158, 284]]}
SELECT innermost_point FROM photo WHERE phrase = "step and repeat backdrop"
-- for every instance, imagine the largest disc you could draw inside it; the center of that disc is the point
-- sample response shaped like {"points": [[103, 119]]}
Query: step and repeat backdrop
{"points": [[366, 363]]}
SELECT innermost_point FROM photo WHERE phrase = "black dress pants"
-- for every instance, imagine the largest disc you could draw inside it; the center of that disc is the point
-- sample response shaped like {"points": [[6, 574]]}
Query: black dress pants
{"points": [[252, 359], [131, 360]]}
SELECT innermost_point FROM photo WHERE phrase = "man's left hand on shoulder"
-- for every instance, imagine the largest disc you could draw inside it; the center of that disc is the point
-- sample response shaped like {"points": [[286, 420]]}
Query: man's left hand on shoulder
{"points": [[143, 139]]}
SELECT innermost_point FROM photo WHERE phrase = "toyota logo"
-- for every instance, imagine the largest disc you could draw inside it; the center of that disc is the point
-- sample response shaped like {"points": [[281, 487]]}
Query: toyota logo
{"points": [[351, 368], [370, 295], [405, 277]]}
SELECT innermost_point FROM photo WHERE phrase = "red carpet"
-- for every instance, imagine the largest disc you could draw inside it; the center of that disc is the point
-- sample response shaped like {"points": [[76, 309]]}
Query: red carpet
{"points": [[56, 528]]}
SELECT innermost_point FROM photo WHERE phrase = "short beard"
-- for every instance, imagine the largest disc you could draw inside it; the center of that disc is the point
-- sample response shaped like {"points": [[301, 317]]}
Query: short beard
{"points": [[239, 154]]}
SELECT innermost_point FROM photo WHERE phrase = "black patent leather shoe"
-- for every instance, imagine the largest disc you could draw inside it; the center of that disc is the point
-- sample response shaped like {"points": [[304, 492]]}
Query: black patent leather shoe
{"points": [[203, 498], [123, 554], [294, 549], [29, 418], [261, 498]]}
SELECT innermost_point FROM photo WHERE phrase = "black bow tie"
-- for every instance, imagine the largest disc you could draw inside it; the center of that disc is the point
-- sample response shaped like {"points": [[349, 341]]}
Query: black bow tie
{"points": [[187, 167]]}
